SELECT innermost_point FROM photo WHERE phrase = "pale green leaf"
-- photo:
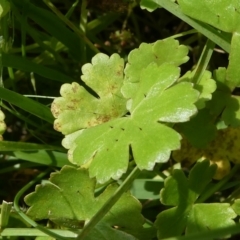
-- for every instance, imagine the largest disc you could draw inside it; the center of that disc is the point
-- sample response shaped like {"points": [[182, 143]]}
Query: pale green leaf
{"points": [[68, 200], [105, 148], [78, 109], [206, 86], [160, 52]]}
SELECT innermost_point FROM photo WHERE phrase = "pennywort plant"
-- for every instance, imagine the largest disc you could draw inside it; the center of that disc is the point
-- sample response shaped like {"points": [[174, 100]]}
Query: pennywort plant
{"points": [[124, 123]]}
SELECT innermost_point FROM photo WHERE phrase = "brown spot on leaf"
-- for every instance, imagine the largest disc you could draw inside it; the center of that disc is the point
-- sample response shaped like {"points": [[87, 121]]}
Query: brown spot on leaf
{"points": [[74, 87], [57, 126], [120, 71], [55, 110]]}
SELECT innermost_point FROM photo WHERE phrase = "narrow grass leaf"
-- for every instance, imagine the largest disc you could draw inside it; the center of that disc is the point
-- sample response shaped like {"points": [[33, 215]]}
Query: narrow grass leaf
{"points": [[26, 65], [26, 104]]}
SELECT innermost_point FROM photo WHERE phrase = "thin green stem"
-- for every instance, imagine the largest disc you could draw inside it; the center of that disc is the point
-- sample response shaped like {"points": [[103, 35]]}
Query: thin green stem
{"points": [[12, 77], [32, 232], [23, 35], [182, 34], [70, 11], [203, 61], [217, 186], [108, 205]]}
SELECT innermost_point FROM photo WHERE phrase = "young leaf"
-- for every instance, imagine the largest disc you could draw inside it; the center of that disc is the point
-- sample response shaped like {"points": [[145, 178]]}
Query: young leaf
{"points": [[214, 13], [105, 148], [68, 200], [160, 52], [181, 193], [78, 109]]}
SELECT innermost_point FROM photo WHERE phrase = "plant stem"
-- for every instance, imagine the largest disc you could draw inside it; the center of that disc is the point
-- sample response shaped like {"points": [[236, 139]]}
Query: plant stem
{"points": [[203, 61], [108, 205], [217, 186]]}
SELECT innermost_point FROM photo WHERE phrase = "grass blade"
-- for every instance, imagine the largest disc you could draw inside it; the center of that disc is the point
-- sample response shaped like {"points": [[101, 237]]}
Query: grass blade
{"points": [[26, 104], [26, 65], [223, 40]]}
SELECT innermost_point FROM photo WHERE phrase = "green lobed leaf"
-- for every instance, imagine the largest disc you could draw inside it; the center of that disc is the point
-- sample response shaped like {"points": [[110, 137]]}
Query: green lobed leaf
{"points": [[204, 217], [160, 52], [206, 86], [68, 200], [186, 215], [106, 146], [78, 109]]}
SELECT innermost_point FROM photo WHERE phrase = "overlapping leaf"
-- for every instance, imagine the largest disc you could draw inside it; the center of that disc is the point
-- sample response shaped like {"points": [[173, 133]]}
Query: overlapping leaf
{"points": [[206, 86], [2, 124], [68, 200], [105, 148], [78, 109], [225, 16], [200, 130], [223, 103], [160, 52], [185, 216]]}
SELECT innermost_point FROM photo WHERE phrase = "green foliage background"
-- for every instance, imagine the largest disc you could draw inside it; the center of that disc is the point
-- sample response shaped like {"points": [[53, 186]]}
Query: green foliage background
{"points": [[95, 96]]}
